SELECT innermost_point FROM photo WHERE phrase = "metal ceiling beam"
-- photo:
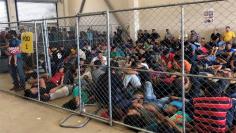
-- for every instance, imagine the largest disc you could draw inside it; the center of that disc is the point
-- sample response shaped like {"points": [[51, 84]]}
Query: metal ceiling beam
{"points": [[81, 8], [110, 7]]}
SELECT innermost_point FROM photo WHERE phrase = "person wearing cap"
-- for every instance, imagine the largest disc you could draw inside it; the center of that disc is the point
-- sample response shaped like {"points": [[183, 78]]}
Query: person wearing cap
{"points": [[228, 35]]}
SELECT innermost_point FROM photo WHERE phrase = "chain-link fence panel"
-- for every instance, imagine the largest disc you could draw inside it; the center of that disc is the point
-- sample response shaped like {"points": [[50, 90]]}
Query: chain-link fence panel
{"points": [[94, 93], [209, 48], [19, 56], [146, 56]]}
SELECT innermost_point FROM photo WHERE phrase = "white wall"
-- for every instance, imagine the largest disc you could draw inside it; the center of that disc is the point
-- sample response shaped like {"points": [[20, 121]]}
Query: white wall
{"points": [[163, 18], [160, 19]]}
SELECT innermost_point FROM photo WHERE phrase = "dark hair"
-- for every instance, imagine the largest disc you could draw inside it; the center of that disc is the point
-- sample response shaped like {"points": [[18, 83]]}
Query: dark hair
{"points": [[45, 98], [211, 89], [134, 64], [228, 27], [29, 94], [114, 47], [215, 37], [12, 32], [97, 62], [34, 75], [165, 52], [114, 64], [177, 57]]}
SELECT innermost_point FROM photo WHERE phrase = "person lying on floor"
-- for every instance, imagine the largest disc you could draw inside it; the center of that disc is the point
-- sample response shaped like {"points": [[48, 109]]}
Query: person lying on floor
{"points": [[84, 92], [165, 107], [45, 95], [47, 87]]}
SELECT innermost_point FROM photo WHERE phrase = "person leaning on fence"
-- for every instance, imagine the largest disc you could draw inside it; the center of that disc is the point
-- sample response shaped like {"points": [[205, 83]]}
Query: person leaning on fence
{"points": [[120, 103], [97, 71], [131, 75]]}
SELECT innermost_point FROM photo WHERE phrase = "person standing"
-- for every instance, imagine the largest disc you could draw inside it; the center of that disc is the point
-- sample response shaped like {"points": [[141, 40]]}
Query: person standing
{"points": [[194, 37], [168, 35], [16, 71], [228, 35]]}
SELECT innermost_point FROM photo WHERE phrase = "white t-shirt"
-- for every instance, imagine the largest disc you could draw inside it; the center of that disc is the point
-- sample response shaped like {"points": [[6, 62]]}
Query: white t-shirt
{"points": [[103, 58], [145, 65], [82, 54]]}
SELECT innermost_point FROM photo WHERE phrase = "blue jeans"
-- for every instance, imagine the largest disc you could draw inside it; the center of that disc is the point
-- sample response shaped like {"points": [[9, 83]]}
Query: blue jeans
{"points": [[231, 115], [17, 73], [150, 96]]}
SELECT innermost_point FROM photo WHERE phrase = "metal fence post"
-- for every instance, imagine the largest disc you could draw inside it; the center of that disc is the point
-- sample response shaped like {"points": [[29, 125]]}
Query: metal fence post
{"points": [[44, 47], [47, 47], [183, 67], [78, 58], [109, 65], [37, 57]]}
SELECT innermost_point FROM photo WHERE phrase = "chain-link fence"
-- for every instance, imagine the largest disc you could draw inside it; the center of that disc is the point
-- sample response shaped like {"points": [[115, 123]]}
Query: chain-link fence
{"points": [[167, 68]]}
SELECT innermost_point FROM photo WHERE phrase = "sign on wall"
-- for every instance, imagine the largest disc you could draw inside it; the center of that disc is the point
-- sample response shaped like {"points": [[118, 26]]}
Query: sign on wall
{"points": [[27, 42], [209, 16]]}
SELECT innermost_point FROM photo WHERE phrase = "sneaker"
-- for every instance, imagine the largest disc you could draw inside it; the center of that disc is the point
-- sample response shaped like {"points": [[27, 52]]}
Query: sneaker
{"points": [[14, 88], [20, 88]]}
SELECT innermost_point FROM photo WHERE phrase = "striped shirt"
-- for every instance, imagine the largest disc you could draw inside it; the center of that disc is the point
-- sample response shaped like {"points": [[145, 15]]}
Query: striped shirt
{"points": [[210, 113]]}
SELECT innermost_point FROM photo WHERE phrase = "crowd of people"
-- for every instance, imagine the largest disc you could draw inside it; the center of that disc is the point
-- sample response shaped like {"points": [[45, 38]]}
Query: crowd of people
{"points": [[146, 85]]}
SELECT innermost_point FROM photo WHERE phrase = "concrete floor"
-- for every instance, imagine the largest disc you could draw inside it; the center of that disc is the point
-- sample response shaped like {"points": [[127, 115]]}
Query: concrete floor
{"points": [[18, 115]]}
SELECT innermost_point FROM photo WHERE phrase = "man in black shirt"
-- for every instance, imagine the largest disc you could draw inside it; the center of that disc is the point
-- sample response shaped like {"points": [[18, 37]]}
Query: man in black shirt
{"points": [[154, 35]]}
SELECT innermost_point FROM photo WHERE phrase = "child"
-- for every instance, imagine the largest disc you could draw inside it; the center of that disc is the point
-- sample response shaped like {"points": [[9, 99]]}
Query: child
{"points": [[14, 47]]}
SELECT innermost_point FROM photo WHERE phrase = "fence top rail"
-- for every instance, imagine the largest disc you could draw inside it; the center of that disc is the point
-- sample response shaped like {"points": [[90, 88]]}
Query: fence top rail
{"points": [[167, 5], [114, 11], [57, 18]]}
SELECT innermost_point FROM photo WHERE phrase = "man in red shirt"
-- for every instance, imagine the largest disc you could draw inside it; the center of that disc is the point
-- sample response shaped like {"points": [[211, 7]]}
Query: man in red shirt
{"points": [[167, 58]]}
